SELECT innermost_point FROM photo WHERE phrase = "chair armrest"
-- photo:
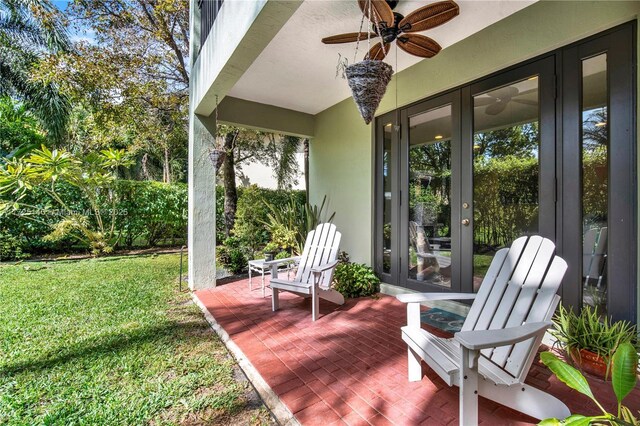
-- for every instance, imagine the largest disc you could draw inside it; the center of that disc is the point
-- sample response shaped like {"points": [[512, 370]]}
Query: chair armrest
{"points": [[321, 268], [482, 339], [426, 297]]}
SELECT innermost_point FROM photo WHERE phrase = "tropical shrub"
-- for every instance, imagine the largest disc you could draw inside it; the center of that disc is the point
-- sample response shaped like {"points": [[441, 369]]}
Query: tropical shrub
{"points": [[231, 255], [11, 248], [252, 213], [93, 175], [355, 280], [290, 223], [147, 213]]}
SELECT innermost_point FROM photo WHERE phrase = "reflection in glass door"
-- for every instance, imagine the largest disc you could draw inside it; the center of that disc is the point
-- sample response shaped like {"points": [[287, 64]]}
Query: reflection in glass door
{"points": [[387, 165], [595, 167], [506, 143], [429, 192]]}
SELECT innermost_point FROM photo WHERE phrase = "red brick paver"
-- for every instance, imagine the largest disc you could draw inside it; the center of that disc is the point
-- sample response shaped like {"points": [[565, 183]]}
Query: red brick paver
{"points": [[350, 366]]}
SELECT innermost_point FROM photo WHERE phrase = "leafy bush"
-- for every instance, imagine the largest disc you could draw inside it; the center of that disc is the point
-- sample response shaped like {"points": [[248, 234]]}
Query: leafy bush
{"points": [[283, 255], [355, 280], [231, 255], [152, 211], [147, 213], [252, 213], [11, 248]]}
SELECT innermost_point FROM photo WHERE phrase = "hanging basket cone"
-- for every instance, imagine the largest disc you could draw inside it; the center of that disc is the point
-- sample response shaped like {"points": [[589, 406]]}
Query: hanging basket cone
{"points": [[217, 157], [368, 82]]}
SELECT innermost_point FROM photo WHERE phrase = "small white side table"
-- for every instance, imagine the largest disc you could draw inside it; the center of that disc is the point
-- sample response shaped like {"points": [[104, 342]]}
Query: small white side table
{"points": [[259, 266]]}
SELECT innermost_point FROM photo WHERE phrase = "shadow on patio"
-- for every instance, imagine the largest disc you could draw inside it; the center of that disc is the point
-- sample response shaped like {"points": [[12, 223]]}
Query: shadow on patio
{"points": [[350, 366]]}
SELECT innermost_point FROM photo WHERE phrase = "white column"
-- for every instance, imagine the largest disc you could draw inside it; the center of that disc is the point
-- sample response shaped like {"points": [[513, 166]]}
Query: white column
{"points": [[202, 188]]}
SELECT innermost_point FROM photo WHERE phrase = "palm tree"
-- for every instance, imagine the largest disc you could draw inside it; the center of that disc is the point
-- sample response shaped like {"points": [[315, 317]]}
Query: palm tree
{"points": [[28, 30]]}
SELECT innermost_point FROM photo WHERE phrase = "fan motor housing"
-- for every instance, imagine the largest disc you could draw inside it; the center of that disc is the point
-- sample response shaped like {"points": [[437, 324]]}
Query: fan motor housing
{"points": [[389, 34]]}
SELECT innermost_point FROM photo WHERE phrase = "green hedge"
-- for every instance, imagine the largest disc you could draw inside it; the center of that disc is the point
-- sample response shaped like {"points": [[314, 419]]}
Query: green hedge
{"points": [[148, 214], [252, 213]]}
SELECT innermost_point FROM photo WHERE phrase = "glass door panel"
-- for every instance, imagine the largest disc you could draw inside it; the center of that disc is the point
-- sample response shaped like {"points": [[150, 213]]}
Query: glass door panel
{"points": [[506, 168], [429, 193], [387, 165], [595, 167]]}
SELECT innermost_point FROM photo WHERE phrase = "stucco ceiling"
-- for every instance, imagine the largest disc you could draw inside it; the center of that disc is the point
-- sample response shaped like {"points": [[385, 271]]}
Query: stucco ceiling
{"points": [[297, 71]]}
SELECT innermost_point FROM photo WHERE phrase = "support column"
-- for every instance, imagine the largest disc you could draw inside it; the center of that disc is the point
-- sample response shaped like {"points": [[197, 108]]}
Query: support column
{"points": [[202, 184], [202, 208]]}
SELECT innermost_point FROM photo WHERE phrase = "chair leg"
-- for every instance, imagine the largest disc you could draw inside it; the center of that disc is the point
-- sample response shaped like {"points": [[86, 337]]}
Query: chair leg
{"points": [[274, 299], [415, 369], [315, 302], [468, 388], [250, 284], [263, 283]]}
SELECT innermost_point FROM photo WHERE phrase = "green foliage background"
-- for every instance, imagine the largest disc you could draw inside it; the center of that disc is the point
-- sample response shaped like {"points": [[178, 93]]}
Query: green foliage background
{"points": [[149, 214]]}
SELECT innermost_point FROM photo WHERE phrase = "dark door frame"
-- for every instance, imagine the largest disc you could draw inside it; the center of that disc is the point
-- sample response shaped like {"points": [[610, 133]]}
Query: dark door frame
{"points": [[450, 98], [544, 68], [564, 187], [622, 242]]}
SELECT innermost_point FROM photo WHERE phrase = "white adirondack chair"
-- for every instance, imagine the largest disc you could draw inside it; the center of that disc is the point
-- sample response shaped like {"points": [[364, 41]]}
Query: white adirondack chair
{"points": [[425, 252], [493, 352], [315, 270]]}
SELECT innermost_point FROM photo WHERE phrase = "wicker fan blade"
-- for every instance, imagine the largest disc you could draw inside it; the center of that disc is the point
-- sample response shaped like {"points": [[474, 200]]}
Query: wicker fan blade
{"points": [[525, 102], [377, 53], [347, 38], [505, 93], [478, 102], [496, 108], [380, 11], [429, 16], [418, 45]]}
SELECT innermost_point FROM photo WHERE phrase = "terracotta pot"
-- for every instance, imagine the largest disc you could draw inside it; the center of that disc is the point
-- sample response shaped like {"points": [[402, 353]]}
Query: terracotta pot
{"points": [[590, 363]]}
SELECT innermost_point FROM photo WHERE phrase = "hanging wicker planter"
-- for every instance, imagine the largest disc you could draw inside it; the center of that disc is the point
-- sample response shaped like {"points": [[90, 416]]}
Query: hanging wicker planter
{"points": [[368, 81], [217, 157]]}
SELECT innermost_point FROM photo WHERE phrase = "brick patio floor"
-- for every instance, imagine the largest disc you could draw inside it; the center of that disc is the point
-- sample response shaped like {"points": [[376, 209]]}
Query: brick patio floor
{"points": [[350, 366]]}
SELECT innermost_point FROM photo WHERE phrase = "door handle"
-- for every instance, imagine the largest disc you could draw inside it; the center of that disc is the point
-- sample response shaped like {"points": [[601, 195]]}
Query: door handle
{"points": [[465, 222]]}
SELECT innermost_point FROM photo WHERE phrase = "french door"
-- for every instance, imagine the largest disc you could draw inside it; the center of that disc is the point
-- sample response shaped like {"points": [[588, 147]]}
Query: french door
{"points": [[445, 204], [548, 147]]}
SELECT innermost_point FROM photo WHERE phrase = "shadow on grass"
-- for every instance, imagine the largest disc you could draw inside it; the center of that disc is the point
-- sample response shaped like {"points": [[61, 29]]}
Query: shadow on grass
{"points": [[177, 332]]}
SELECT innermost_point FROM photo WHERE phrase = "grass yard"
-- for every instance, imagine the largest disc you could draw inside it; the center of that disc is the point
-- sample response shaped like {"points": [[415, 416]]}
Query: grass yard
{"points": [[112, 341]]}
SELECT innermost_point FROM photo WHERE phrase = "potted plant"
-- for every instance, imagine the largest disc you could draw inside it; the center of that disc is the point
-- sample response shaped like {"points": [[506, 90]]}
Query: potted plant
{"points": [[589, 340], [270, 251]]}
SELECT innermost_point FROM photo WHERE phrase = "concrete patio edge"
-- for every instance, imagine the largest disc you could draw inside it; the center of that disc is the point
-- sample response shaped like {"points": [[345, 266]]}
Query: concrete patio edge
{"points": [[280, 411]]}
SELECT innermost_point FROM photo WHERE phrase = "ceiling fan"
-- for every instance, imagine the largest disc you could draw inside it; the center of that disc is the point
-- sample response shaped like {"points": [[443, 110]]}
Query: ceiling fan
{"points": [[390, 26], [497, 100]]}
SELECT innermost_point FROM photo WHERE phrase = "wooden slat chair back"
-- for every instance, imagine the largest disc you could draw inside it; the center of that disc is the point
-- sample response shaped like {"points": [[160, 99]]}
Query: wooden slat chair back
{"points": [[492, 354], [520, 287], [315, 270], [320, 248]]}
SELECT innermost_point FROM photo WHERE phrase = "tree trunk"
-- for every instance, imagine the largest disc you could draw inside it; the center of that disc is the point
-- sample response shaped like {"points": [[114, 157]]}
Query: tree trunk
{"points": [[166, 169], [229, 182]]}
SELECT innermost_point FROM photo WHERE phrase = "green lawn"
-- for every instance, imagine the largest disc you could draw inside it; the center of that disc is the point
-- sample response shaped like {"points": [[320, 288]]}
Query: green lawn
{"points": [[112, 341]]}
